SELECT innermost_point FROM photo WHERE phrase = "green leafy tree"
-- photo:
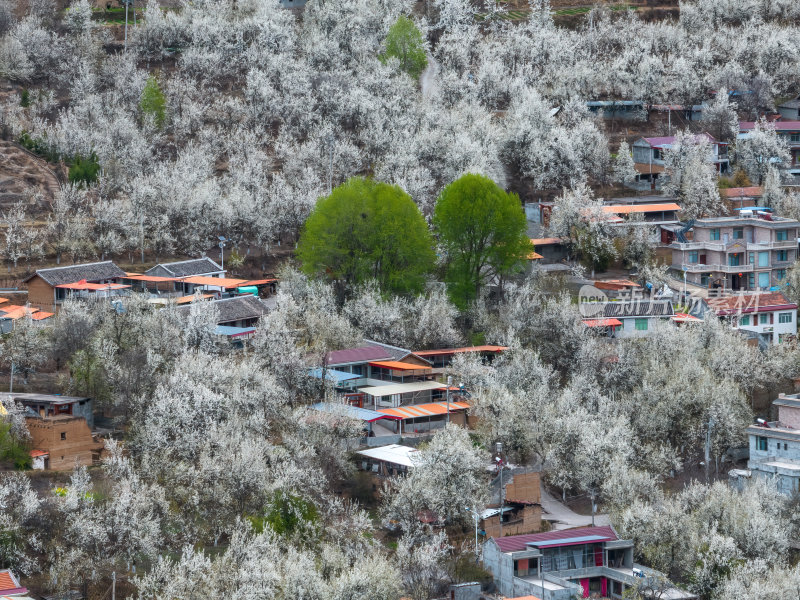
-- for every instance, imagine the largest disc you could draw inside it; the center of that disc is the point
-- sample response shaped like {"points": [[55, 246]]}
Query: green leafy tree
{"points": [[84, 170], [13, 450], [404, 42], [365, 230], [153, 101], [482, 230]]}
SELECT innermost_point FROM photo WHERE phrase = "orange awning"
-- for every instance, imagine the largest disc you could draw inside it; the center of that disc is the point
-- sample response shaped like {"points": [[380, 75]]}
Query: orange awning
{"points": [[397, 365], [258, 282], [40, 315], [188, 299], [416, 411], [602, 322], [534, 256], [222, 282], [625, 209]]}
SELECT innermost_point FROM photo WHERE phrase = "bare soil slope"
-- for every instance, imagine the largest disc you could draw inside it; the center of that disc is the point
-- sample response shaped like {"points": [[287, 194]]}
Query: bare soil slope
{"points": [[22, 174]]}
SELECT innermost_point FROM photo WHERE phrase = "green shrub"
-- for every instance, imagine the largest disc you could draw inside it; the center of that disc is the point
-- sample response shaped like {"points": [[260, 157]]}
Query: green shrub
{"points": [[25, 99], [153, 102], [84, 171]]}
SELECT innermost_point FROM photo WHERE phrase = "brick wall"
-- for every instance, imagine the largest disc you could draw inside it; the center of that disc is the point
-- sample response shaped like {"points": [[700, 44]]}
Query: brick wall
{"points": [[67, 439]]}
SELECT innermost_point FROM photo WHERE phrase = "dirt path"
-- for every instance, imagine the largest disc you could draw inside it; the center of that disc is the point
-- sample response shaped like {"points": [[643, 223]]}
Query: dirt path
{"points": [[563, 517], [22, 173]]}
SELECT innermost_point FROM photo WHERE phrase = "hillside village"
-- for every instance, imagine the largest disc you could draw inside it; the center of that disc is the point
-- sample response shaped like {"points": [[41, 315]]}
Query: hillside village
{"points": [[394, 299]]}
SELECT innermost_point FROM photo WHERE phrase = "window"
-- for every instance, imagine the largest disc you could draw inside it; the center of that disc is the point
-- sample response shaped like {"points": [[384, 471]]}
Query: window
{"points": [[63, 435], [745, 320], [751, 280], [693, 257], [785, 317], [761, 443], [656, 154], [782, 256], [763, 259], [715, 234], [780, 274], [795, 137], [752, 259], [704, 279], [782, 235], [733, 260], [763, 280], [763, 319], [641, 324], [738, 233]]}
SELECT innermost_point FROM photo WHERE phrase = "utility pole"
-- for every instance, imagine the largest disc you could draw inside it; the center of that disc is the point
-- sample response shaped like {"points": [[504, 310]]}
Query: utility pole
{"points": [[594, 506], [330, 162], [447, 395], [113, 585], [141, 229], [708, 444], [222, 241], [11, 382], [126, 24], [499, 449]]}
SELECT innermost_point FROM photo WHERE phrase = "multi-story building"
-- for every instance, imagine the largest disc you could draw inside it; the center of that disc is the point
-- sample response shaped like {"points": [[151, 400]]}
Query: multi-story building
{"points": [[789, 131], [775, 445], [649, 154], [751, 251], [768, 317], [561, 565]]}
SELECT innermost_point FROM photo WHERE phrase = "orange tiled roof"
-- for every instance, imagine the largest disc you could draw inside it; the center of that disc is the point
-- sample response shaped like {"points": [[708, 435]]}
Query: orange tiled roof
{"points": [[423, 410], [743, 191], [7, 581]]}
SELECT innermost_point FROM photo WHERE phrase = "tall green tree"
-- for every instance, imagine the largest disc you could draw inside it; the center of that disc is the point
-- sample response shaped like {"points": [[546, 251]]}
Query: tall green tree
{"points": [[368, 230], [482, 230], [153, 102], [404, 42]]}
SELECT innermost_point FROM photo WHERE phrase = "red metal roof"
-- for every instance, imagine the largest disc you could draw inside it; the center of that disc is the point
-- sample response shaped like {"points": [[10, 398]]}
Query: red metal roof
{"points": [[779, 125], [495, 349], [361, 354], [151, 278], [517, 543], [750, 303], [602, 322], [545, 241], [658, 142]]}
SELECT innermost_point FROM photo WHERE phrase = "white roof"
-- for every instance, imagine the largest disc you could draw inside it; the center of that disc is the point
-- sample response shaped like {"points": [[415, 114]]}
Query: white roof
{"points": [[402, 388], [393, 453]]}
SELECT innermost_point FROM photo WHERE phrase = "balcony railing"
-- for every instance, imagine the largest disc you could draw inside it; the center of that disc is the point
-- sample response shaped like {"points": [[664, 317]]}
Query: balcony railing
{"points": [[723, 246], [700, 268]]}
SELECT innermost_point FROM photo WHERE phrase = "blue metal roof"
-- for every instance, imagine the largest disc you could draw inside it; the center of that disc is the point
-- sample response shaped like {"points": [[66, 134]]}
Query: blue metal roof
{"points": [[233, 331], [363, 414], [332, 375]]}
